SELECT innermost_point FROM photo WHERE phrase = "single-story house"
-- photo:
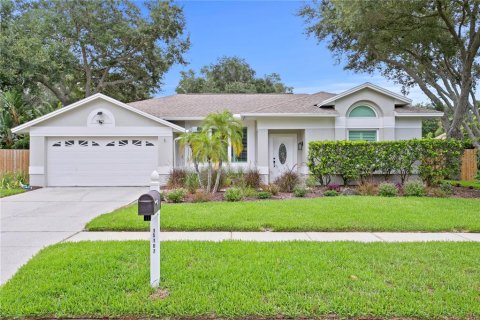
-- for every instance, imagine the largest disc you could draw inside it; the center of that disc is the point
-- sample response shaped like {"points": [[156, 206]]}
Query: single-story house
{"points": [[100, 141]]}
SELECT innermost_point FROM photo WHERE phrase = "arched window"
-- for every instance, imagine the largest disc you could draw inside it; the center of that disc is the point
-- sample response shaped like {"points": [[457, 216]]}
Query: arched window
{"points": [[362, 111]]}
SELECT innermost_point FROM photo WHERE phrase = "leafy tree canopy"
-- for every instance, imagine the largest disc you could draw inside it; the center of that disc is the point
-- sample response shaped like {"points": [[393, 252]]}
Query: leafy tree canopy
{"points": [[431, 43], [230, 75], [74, 49]]}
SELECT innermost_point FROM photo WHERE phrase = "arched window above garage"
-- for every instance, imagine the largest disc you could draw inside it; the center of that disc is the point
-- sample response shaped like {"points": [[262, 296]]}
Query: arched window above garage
{"points": [[362, 112]]}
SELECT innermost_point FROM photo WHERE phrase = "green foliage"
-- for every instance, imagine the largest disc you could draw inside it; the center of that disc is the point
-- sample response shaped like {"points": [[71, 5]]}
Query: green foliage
{"points": [[74, 49], [249, 192], [360, 159], [431, 44], [414, 189], [264, 195], [311, 182], [13, 180], [177, 195], [330, 193], [440, 159], [299, 191], [288, 180], [15, 109], [191, 182], [230, 75], [446, 187], [233, 194], [386, 189]]}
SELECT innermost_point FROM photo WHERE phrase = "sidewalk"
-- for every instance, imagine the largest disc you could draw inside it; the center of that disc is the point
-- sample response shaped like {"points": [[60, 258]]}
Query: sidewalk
{"points": [[278, 236]]}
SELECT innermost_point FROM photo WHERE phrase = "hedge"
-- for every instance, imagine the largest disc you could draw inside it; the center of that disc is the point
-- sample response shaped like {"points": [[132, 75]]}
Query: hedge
{"points": [[432, 159]]}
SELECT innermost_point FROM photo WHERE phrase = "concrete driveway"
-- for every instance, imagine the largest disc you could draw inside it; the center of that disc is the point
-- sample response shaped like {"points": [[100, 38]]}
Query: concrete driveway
{"points": [[35, 219]]}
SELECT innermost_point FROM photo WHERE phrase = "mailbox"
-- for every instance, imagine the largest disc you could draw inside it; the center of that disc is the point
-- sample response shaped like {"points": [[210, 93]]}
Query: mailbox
{"points": [[148, 204]]}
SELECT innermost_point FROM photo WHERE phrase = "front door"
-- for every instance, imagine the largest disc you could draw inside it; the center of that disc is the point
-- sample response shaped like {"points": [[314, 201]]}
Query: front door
{"points": [[283, 154]]}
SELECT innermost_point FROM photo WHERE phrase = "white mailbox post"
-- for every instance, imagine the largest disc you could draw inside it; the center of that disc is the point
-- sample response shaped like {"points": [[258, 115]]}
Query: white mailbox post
{"points": [[149, 208]]}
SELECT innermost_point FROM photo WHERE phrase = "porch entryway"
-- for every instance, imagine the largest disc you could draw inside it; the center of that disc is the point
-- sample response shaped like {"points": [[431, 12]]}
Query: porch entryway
{"points": [[282, 153]]}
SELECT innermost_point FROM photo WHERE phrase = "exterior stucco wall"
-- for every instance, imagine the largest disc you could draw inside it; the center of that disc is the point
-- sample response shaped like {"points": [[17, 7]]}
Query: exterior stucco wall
{"points": [[383, 105], [408, 128], [79, 116], [74, 123]]}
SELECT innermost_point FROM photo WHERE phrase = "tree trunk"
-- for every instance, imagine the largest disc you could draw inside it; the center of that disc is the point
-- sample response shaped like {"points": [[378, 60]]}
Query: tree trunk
{"points": [[217, 180], [209, 176], [199, 176]]}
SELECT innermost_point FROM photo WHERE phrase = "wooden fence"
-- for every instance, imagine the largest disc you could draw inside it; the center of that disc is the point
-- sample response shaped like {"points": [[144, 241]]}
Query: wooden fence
{"points": [[469, 165], [14, 160]]}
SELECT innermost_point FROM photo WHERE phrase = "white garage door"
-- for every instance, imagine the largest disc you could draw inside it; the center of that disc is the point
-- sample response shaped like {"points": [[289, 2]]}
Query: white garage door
{"points": [[101, 161]]}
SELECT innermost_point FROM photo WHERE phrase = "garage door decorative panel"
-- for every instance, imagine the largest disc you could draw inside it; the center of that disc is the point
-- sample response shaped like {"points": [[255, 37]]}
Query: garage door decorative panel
{"points": [[101, 161]]}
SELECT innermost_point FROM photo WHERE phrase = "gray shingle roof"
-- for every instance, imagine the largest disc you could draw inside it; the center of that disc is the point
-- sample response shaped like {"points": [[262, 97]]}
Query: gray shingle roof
{"points": [[200, 105], [411, 109]]}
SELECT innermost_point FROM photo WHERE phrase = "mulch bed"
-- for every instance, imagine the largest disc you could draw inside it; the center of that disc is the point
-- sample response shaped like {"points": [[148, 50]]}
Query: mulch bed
{"points": [[458, 192]]}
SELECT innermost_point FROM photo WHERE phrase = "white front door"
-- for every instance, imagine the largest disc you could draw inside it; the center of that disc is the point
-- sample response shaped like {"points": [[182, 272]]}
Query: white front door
{"points": [[283, 154], [101, 161]]}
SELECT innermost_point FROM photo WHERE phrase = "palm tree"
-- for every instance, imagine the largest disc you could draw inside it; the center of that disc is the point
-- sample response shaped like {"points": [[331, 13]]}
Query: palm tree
{"points": [[229, 130], [209, 147], [188, 139]]}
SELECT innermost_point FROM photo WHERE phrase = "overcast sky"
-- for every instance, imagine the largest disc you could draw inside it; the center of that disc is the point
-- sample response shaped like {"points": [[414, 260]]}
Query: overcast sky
{"points": [[271, 38]]}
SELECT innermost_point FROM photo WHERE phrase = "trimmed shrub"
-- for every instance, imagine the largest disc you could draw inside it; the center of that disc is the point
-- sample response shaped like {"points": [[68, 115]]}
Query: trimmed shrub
{"points": [[176, 195], [176, 178], [386, 189], [288, 180], [233, 194], [367, 189], [414, 189], [264, 195], [434, 159], [446, 187], [252, 178], [299, 191], [272, 188], [191, 182], [330, 193], [249, 192]]}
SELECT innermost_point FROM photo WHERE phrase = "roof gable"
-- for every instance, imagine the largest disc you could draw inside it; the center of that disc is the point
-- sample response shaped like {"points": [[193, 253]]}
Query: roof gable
{"points": [[401, 99], [82, 102]]}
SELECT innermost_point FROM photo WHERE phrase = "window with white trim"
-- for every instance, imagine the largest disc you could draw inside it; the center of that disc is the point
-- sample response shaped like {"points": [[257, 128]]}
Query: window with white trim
{"points": [[362, 112], [362, 135]]}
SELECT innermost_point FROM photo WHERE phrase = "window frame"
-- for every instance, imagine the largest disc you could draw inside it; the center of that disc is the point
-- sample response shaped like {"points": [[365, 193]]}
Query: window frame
{"points": [[232, 157], [363, 130], [365, 106]]}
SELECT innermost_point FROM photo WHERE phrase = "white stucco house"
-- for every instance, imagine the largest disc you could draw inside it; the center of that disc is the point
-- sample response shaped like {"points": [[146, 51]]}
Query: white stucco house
{"points": [[100, 141]]}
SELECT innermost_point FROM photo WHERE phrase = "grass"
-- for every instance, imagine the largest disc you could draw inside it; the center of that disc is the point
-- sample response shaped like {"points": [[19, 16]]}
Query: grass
{"points": [[320, 214], [474, 184], [235, 279], [10, 192]]}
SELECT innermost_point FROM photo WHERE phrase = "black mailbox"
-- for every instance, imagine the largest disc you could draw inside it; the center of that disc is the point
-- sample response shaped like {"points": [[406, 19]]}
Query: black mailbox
{"points": [[148, 204]]}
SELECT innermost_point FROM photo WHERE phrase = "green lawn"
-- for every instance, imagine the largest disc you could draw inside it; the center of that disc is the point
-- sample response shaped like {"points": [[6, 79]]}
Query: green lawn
{"points": [[9, 192], [235, 279], [474, 184], [354, 213]]}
